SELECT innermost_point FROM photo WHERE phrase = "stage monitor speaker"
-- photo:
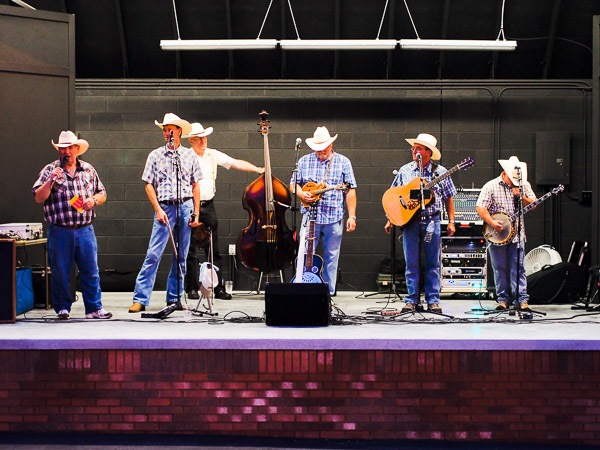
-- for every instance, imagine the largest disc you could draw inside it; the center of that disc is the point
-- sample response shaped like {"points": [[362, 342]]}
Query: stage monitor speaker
{"points": [[8, 281], [297, 304]]}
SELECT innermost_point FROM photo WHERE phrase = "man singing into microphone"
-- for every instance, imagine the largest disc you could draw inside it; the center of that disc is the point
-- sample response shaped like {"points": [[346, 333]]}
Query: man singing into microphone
{"points": [[423, 233], [172, 176], [209, 159], [70, 190]]}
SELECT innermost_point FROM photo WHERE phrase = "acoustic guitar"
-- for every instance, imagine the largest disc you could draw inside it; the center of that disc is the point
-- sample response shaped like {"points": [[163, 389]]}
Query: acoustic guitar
{"points": [[508, 222], [398, 205], [313, 264], [317, 190]]}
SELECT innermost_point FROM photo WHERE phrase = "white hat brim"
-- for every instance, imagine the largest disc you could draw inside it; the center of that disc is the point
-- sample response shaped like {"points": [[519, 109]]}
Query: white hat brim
{"points": [[206, 132], [508, 167], [185, 126], [320, 146], [435, 152], [83, 145]]}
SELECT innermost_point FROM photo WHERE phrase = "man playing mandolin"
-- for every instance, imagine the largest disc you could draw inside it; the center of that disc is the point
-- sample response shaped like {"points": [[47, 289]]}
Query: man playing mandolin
{"points": [[325, 166], [424, 231], [502, 195]]}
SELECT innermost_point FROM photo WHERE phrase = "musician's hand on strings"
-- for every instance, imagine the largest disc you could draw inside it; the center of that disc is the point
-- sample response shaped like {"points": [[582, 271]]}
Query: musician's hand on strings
{"points": [[161, 216], [497, 225], [307, 197]]}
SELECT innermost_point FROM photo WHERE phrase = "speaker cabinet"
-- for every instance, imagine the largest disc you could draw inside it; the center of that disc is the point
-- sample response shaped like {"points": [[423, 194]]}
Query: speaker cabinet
{"points": [[297, 304], [8, 281]]}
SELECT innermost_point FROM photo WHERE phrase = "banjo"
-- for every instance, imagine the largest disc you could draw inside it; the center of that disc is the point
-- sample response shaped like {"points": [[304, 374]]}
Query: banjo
{"points": [[508, 222]]}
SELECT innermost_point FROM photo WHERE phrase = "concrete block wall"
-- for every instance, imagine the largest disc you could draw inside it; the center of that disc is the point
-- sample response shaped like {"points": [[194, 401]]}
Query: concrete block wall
{"points": [[484, 120]]}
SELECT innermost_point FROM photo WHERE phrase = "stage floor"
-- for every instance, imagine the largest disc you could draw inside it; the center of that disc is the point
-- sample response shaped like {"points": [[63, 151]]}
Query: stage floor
{"points": [[357, 325]]}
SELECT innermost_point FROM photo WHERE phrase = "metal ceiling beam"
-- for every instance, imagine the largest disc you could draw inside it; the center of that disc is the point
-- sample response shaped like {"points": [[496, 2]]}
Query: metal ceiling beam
{"points": [[551, 37], [445, 20], [122, 38]]}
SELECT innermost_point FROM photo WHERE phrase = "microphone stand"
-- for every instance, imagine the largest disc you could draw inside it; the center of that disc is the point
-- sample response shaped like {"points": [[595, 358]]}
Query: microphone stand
{"points": [[294, 208], [177, 215]]}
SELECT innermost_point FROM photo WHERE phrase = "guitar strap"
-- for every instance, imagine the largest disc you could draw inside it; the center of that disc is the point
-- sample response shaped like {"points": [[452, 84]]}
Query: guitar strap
{"points": [[328, 166]]}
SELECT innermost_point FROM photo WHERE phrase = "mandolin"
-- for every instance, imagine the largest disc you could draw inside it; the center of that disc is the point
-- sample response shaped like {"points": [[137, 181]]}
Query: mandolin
{"points": [[317, 190], [401, 209]]}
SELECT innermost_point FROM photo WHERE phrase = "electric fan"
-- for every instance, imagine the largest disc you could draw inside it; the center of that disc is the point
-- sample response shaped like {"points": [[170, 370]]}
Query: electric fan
{"points": [[536, 259]]}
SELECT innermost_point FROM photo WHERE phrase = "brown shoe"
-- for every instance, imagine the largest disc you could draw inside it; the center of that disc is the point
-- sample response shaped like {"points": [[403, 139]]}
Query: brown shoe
{"points": [[501, 306], [525, 307], [434, 308], [408, 307], [137, 307]]}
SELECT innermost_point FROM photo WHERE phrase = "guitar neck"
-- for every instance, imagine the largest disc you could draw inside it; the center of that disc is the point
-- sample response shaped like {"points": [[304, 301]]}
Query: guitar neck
{"points": [[310, 245], [532, 205], [442, 177]]}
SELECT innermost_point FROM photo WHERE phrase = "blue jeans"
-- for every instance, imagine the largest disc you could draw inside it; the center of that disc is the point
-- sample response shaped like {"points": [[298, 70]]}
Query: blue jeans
{"points": [[414, 233], [504, 263], [66, 245], [158, 240], [331, 235]]}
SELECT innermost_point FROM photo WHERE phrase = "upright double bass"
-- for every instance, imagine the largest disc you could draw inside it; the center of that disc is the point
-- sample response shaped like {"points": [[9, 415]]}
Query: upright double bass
{"points": [[266, 244]]}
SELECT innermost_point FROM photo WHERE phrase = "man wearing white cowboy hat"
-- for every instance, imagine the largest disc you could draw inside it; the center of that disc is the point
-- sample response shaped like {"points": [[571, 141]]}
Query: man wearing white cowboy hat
{"points": [[502, 195], [209, 159], [325, 165], [425, 234], [70, 190], [172, 176]]}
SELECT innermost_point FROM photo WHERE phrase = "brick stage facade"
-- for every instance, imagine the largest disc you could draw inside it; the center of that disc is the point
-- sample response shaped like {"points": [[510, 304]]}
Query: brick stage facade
{"points": [[521, 396]]}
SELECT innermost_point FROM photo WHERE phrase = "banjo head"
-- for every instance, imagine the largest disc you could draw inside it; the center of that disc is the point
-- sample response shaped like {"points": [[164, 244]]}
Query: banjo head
{"points": [[499, 237]]}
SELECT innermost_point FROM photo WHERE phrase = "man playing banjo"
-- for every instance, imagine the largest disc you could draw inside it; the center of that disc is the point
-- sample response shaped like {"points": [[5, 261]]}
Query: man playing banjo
{"points": [[501, 195]]}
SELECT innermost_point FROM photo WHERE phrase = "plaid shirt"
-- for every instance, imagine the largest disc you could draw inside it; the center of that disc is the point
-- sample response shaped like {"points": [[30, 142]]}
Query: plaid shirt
{"points": [[161, 172], [311, 168], [84, 183], [443, 190], [496, 196]]}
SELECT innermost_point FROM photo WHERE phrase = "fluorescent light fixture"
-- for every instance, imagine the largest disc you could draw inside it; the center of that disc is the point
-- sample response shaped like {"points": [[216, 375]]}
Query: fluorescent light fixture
{"points": [[456, 44], [338, 44], [218, 44]]}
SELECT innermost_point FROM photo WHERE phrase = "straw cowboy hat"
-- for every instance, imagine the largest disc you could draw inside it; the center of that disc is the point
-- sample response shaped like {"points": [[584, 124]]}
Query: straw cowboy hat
{"points": [[321, 139], [173, 119], [67, 138], [428, 141], [198, 131], [510, 168]]}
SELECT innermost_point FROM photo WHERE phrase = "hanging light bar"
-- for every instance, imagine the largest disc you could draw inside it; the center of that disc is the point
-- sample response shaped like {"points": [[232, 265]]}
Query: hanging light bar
{"points": [[218, 44], [338, 44], [457, 44]]}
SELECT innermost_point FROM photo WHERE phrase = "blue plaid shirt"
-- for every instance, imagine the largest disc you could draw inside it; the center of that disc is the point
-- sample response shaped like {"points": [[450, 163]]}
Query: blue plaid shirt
{"points": [[443, 190], [311, 168], [161, 172]]}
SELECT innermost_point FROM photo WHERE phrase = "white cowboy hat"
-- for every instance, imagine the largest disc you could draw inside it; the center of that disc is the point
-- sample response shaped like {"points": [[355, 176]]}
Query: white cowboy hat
{"points": [[67, 138], [321, 139], [510, 166], [198, 131], [173, 119], [428, 141]]}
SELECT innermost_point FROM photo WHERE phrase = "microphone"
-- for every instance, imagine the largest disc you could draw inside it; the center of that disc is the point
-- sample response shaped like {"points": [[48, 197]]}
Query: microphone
{"points": [[298, 142], [419, 156], [63, 162]]}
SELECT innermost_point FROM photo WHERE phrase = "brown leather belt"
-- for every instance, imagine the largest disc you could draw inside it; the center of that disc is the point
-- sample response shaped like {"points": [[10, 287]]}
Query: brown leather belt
{"points": [[175, 202]]}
